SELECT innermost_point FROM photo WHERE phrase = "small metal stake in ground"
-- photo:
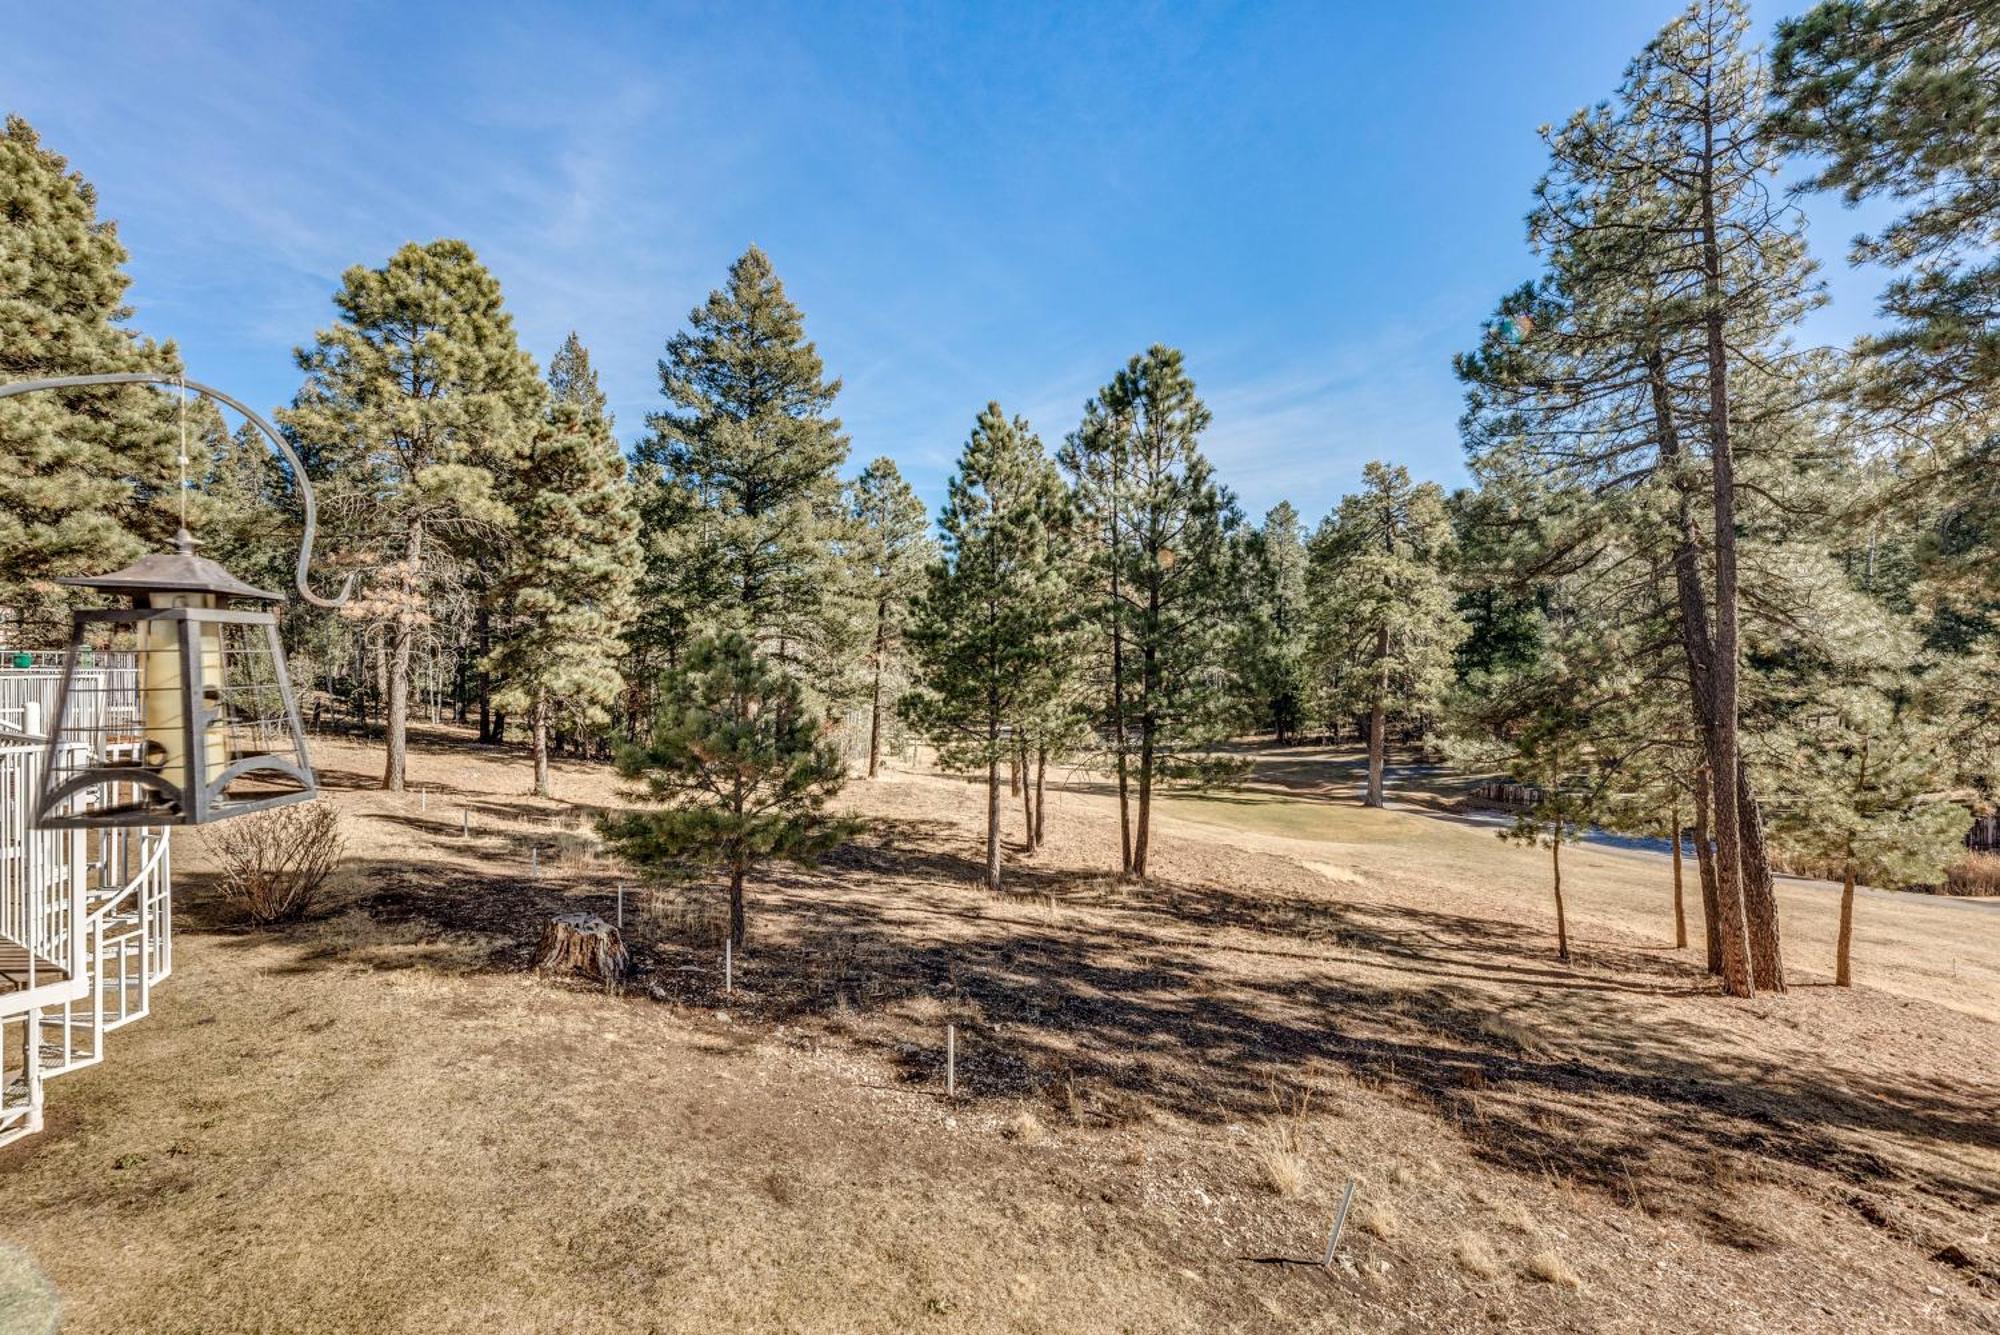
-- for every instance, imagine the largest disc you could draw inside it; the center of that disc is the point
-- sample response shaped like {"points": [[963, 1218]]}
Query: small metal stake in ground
{"points": [[423, 799], [621, 906], [951, 1061], [1339, 1222], [464, 822], [728, 965]]}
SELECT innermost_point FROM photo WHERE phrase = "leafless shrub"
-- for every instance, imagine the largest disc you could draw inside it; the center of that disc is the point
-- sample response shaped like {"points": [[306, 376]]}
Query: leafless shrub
{"points": [[275, 863]]}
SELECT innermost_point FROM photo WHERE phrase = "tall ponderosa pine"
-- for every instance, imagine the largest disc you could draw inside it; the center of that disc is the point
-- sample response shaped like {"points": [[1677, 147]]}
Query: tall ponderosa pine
{"points": [[1278, 623], [1387, 622], [891, 548], [572, 561], [737, 768], [1167, 589], [994, 609], [414, 400], [1654, 395], [87, 476], [747, 460]]}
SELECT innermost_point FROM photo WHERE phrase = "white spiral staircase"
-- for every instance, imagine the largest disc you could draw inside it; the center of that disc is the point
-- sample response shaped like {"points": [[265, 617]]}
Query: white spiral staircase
{"points": [[85, 920]]}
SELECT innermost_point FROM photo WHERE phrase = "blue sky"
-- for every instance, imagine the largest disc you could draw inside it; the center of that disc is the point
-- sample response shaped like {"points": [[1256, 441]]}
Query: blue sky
{"points": [[1317, 202]]}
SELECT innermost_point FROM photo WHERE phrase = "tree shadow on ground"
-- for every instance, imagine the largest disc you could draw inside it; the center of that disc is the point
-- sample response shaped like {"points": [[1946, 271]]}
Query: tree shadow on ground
{"points": [[1111, 1003]]}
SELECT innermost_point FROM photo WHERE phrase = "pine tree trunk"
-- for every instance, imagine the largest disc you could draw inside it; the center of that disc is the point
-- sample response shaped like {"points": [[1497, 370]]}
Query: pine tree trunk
{"points": [[1378, 721], [738, 923], [1149, 686], [1124, 808], [539, 713], [1725, 751], [484, 629], [1562, 919], [403, 634], [1680, 904], [875, 712], [1143, 837], [1027, 798], [993, 819], [1760, 898], [1843, 975], [1118, 700], [1704, 855], [1041, 792]]}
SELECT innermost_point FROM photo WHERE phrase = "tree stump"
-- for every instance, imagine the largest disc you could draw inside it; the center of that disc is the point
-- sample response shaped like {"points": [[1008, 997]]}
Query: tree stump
{"points": [[583, 944]]}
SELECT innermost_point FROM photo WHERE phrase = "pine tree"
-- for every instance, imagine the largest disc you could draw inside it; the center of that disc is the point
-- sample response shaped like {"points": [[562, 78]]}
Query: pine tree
{"points": [[1096, 459], [243, 507], [571, 566], [1647, 381], [738, 768], [1901, 99], [992, 614], [1278, 627], [891, 550], [1569, 722], [1168, 587], [413, 401], [88, 476], [750, 442], [1388, 622]]}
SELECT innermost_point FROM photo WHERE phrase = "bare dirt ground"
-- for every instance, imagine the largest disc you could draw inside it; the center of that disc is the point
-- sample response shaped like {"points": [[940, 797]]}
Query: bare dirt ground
{"points": [[379, 1120]]}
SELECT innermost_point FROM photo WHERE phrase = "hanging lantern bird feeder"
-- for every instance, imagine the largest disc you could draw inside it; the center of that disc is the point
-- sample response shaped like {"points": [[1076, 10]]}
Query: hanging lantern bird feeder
{"points": [[201, 727], [175, 708]]}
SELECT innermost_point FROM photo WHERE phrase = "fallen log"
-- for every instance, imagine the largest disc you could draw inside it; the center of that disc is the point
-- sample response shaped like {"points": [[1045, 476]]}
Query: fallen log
{"points": [[583, 945]]}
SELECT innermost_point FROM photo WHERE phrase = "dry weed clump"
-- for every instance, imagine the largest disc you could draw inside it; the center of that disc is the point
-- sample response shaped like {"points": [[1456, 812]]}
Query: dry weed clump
{"points": [[1509, 1032], [1974, 874], [1549, 1267], [1378, 1221], [1282, 1162], [1283, 1170], [1475, 1257], [275, 863], [1024, 1128]]}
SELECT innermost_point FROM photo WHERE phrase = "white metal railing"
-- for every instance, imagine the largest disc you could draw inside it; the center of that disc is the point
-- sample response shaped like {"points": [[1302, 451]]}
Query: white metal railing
{"points": [[86, 918], [41, 875], [103, 698]]}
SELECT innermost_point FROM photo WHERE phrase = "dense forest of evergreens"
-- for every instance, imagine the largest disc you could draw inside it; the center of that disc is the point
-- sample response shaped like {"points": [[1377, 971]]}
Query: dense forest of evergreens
{"points": [[1708, 579]]}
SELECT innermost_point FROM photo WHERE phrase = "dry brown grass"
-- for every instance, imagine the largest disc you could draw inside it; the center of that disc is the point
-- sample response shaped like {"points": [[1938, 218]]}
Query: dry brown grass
{"points": [[1378, 1219], [1282, 1170], [1974, 874], [1475, 1256], [353, 1124], [1024, 1128], [1548, 1266]]}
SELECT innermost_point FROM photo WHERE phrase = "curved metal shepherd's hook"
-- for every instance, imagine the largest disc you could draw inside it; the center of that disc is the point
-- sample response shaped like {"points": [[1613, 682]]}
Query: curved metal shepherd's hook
{"points": [[181, 382]]}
